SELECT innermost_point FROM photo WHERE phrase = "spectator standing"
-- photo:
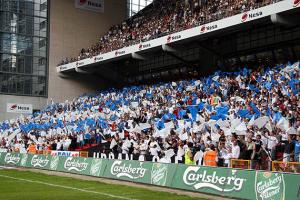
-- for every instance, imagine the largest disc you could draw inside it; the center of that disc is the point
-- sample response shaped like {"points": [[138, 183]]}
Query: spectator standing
{"points": [[297, 149]]}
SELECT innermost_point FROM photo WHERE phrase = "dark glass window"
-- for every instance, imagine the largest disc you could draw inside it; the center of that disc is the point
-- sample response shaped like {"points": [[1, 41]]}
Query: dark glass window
{"points": [[23, 47]]}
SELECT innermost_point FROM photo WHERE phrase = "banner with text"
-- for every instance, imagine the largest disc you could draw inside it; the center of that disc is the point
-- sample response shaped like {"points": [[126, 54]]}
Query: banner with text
{"points": [[91, 5], [235, 183], [65, 153], [19, 108]]}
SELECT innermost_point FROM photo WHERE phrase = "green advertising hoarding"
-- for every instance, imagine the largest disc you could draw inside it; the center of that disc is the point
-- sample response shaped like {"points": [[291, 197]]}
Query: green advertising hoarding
{"points": [[79, 165], [12, 159], [236, 183], [134, 171], [143, 172], [220, 181]]}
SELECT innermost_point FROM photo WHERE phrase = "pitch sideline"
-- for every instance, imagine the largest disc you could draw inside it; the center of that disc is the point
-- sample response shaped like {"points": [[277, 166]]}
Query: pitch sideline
{"points": [[68, 187]]}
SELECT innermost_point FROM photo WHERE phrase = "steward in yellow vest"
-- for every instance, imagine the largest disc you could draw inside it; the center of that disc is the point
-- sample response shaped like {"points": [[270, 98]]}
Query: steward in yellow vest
{"points": [[188, 156]]}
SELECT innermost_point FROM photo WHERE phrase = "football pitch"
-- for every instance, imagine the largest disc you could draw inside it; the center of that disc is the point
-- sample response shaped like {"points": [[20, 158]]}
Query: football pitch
{"points": [[26, 185]]}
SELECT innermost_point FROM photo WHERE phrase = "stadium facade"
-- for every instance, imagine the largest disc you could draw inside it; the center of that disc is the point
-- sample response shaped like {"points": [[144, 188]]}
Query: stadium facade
{"points": [[34, 36]]}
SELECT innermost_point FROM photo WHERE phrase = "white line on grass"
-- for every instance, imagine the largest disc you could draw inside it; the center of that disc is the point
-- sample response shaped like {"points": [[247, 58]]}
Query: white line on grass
{"points": [[68, 187]]}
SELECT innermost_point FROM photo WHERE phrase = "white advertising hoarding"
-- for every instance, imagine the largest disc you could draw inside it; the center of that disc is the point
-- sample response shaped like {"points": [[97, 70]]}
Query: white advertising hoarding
{"points": [[19, 108], [91, 5]]}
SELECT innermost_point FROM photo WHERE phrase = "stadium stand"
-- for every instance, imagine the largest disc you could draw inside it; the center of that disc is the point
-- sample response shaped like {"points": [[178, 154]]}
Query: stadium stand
{"points": [[250, 114], [164, 17]]}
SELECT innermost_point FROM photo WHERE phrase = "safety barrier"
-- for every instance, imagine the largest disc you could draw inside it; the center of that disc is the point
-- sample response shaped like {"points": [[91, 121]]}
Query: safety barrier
{"points": [[280, 166], [241, 164], [229, 182], [84, 154]]}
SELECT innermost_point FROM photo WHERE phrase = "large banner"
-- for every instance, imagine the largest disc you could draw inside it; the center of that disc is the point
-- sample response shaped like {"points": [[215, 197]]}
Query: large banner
{"points": [[19, 108], [91, 5], [227, 182], [65, 153]]}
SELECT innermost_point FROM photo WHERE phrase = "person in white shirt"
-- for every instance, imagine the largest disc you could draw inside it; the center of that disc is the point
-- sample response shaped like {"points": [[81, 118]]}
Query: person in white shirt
{"points": [[272, 141], [143, 147], [154, 150], [235, 150]]}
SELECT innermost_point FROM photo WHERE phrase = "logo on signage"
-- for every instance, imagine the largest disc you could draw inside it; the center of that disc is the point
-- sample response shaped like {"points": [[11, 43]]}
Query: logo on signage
{"points": [[143, 46], [79, 64], [37, 161], [65, 153], [159, 174], [13, 107], [208, 28], [96, 59], [76, 165], [122, 170], [172, 38], [63, 68], [269, 186], [119, 53], [296, 3], [210, 179], [202, 29], [12, 159], [247, 16], [24, 159], [96, 167], [54, 163]]}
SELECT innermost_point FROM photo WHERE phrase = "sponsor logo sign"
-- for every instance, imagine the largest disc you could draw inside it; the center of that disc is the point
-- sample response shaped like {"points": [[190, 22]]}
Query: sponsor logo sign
{"points": [[74, 164], [54, 163], [119, 53], [144, 46], [39, 161], [159, 174], [269, 186], [121, 169], [210, 179], [91, 5], [19, 108], [172, 38], [205, 28], [79, 63], [96, 167], [65, 153], [62, 68], [296, 3], [251, 15], [13, 159], [24, 159], [98, 58]]}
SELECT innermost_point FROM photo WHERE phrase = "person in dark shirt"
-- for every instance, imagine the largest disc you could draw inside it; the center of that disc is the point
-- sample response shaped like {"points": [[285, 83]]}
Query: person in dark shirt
{"points": [[256, 156], [289, 146]]}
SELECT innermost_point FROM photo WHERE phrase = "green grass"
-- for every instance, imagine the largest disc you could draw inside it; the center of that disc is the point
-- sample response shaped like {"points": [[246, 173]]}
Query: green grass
{"points": [[38, 188]]}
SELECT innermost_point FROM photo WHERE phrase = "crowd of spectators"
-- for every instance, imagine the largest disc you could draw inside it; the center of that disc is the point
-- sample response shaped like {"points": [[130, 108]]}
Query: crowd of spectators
{"points": [[164, 17], [249, 114]]}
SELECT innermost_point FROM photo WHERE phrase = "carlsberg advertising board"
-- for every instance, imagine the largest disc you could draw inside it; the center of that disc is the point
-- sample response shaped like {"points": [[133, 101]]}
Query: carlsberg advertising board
{"points": [[129, 170], [40, 161], [235, 183], [269, 186], [221, 181], [12, 159], [75, 165]]}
